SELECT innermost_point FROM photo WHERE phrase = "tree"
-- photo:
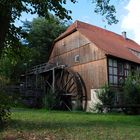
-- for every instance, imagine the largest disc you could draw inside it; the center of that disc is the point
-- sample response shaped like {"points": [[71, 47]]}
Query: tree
{"points": [[4, 109], [12, 62], [106, 9], [41, 34], [11, 10]]}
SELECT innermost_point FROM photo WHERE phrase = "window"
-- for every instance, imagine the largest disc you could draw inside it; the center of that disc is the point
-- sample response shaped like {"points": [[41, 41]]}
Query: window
{"points": [[113, 72], [138, 68], [117, 71], [137, 53], [77, 58]]}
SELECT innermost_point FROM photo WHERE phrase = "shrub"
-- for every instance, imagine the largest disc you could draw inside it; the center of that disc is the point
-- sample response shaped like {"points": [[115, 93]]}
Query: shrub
{"points": [[54, 101], [131, 89], [4, 101], [4, 109], [50, 100], [106, 98]]}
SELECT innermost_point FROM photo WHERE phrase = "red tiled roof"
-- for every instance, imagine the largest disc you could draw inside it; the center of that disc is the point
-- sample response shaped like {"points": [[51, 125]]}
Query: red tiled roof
{"points": [[111, 43]]}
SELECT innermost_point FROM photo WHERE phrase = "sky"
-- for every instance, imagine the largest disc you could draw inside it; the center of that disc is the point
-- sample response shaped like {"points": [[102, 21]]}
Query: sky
{"points": [[129, 19], [128, 14]]}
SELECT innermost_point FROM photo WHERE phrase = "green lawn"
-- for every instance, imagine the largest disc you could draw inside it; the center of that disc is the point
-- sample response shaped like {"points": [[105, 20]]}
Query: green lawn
{"points": [[29, 124]]}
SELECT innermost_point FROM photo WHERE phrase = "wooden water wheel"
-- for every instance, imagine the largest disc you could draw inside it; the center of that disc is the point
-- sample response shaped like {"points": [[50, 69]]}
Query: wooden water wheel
{"points": [[66, 88]]}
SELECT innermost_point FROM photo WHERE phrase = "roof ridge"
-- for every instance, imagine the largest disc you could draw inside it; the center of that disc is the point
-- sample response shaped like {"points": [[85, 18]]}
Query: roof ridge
{"points": [[99, 28], [102, 30], [112, 43], [80, 24]]}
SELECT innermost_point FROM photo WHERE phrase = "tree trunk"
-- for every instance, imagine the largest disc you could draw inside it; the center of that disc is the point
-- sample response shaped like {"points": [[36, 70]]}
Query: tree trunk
{"points": [[4, 25]]}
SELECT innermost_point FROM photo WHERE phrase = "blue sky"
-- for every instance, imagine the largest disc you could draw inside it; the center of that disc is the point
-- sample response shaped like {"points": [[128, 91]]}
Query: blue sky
{"points": [[129, 19], [84, 11]]}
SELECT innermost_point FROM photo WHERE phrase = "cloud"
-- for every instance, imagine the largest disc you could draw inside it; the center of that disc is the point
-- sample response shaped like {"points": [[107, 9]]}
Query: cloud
{"points": [[132, 20]]}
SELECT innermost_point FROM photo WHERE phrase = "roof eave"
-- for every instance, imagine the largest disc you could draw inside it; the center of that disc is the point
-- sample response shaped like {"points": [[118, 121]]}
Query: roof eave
{"points": [[110, 55]]}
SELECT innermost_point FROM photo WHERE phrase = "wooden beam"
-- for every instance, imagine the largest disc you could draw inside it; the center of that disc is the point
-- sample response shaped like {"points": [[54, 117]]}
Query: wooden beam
{"points": [[36, 80], [53, 82]]}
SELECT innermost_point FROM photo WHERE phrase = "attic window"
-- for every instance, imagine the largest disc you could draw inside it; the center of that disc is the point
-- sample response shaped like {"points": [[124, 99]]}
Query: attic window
{"points": [[77, 58], [137, 53]]}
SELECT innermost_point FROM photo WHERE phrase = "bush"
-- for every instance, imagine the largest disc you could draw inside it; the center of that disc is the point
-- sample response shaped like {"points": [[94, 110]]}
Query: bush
{"points": [[54, 101], [50, 100], [4, 102], [106, 97], [131, 89], [4, 109]]}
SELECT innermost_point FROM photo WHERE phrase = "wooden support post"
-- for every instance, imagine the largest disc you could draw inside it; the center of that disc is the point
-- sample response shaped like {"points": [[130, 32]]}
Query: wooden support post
{"points": [[42, 82], [36, 80], [53, 82], [26, 80]]}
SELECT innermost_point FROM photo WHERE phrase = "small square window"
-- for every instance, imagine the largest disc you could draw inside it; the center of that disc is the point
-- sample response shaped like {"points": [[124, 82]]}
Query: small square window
{"points": [[77, 58]]}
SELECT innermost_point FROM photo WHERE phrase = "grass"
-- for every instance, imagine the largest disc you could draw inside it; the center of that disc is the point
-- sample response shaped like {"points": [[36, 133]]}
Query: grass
{"points": [[30, 124]]}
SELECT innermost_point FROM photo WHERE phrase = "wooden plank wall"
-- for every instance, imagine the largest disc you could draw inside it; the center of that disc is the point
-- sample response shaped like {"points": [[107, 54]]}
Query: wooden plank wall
{"points": [[68, 44], [94, 74], [92, 65]]}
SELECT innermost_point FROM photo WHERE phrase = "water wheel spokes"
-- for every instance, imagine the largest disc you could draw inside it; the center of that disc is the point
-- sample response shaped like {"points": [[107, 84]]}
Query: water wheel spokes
{"points": [[67, 89]]}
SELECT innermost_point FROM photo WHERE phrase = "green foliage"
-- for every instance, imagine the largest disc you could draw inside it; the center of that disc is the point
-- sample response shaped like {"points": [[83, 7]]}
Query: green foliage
{"points": [[10, 11], [106, 98], [33, 6], [132, 89], [106, 9], [49, 100], [52, 101], [106, 95], [4, 103], [130, 99], [12, 62], [131, 93], [41, 34], [4, 109]]}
